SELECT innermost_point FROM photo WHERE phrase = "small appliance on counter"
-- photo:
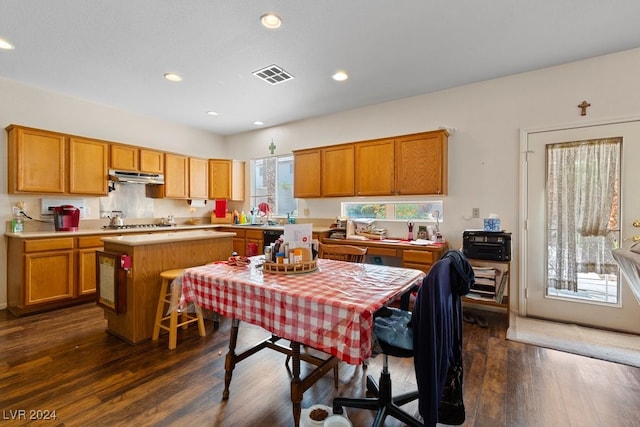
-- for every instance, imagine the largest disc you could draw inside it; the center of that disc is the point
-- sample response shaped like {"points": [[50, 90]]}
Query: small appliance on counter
{"points": [[487, 245], [66, 218]]}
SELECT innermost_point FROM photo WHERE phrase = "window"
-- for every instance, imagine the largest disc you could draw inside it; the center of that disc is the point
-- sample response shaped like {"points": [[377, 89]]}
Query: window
{"points": [[273, 184], [583, 180], [394, 211]]}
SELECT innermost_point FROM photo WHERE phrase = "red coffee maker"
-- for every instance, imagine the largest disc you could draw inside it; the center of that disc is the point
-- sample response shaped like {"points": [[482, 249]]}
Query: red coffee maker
{"points": [[66, 218]]}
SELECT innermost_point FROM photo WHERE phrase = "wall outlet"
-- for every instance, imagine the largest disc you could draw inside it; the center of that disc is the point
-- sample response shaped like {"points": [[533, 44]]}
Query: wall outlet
{"points": [[16, 211], [305, 212], [475, 212]]}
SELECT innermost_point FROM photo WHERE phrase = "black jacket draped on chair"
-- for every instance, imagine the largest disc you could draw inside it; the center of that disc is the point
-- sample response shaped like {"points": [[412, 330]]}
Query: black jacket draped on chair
{"points": [[437, 328]]}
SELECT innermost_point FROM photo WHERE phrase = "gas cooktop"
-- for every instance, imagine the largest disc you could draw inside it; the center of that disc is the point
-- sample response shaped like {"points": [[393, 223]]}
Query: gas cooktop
{"points": [[134, 226]]}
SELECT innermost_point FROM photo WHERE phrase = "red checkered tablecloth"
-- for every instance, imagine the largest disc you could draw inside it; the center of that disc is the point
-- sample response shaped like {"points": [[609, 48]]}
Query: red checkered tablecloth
{"points": [[330, 309]]}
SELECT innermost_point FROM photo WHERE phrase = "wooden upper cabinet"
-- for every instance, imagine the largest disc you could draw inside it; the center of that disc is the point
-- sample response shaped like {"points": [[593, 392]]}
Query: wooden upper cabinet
{"points": [[36, 161], [375, 167], [151, 161], [337, 171], [226, 179], [220, 178], [198, 178], [130, 158], [306, 173], [422, 162], [124, 157], [176, 176], [88, 169], [237, 180]]}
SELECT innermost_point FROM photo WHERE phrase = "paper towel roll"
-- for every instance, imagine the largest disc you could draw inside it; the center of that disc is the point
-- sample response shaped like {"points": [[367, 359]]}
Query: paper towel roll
{"points": [[197, 203]]}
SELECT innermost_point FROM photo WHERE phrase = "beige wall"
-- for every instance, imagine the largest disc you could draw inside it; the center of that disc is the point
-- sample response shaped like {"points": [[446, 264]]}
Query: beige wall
{"points": [[483, 153], [484, 158], [36, 108]]}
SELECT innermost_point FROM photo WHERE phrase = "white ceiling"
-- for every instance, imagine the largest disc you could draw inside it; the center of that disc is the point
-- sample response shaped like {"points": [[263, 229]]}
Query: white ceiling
{"points": [[115, 52]]}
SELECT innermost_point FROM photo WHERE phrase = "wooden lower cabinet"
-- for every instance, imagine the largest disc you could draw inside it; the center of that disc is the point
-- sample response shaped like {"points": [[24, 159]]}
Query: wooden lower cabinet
{"points": [[244, 237], [238, 241], [255, 237], [48, 277], [50, 273], [87, 247]]}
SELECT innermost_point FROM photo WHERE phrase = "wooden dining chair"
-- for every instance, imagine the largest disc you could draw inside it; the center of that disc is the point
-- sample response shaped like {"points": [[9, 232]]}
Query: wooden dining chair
{"points": [[346, 253]]}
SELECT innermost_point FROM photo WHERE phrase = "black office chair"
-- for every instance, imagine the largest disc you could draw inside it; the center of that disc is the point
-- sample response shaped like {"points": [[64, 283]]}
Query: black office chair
{"points": [[383, 401], [448, 279]]}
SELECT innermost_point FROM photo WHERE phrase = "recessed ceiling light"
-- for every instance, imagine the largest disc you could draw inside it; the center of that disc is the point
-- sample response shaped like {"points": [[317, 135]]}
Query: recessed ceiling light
{"points": [[258, 123], [6, 45], [271, 21], [340, 76], [173, 77], [212, 113]]}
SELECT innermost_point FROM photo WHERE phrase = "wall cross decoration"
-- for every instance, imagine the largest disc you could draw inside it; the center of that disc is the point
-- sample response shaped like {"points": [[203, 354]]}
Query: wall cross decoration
{"points": [[583, 108], [272, 147]]}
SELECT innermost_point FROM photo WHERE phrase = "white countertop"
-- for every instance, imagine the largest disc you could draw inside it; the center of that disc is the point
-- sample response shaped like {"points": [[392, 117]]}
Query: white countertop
{"points": [[109, 232], [123, 232], [165, 237]]}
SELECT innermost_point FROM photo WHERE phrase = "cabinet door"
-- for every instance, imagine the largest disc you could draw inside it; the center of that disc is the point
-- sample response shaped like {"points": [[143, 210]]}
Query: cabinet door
{"points": [[176, 176], [198, 178], [36, 161], [151, 161], [88, 166], [375, 169], [337, 174], [220, 179], [255, 237], [237, 181], [48, 277], [87, 247], [422, 163], [306, 174], [87, 271], [238, 240], [124, 157]]}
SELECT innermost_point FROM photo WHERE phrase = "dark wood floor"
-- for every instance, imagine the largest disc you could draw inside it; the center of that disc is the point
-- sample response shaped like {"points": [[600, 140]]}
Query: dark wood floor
{"points": [[64, 361]]}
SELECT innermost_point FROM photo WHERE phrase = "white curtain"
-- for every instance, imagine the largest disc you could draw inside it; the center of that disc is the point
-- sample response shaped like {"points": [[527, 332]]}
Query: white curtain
{"points": [[582, 197]]}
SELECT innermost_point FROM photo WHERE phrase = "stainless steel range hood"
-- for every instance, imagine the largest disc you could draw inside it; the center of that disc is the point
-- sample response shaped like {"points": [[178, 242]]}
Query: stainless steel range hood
{"points": [[135, 177]]}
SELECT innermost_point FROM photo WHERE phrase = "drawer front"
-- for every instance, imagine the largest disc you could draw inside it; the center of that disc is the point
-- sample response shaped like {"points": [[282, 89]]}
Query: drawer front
{"points": [[40, 245], [382, 251], [90, 242], [423, 267], [254, 234], [239, 232], [420, 257]]}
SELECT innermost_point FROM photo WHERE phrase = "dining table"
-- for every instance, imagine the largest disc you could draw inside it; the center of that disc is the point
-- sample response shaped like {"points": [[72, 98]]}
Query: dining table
{"points": [[330, 309]]}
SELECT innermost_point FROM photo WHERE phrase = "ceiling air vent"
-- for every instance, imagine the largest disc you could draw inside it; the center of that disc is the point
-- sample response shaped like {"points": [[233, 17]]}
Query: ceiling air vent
{"points": [[273, 75]]}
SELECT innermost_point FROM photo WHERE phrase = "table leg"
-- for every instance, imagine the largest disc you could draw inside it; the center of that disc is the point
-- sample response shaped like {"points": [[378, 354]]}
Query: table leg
{"points": [[230, 360], [296, 384]]}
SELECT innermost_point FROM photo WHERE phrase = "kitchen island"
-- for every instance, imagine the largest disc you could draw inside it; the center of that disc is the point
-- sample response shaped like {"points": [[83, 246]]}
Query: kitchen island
{"points": [[150, 255]]}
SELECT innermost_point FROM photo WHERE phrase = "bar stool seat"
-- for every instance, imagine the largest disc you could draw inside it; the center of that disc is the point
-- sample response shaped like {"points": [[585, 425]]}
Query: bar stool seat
{"points": [[168, 300]]}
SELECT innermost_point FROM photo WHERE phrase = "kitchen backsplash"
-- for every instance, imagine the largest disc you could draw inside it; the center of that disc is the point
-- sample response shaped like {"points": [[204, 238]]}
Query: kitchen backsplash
{"points": [[130, 199]]}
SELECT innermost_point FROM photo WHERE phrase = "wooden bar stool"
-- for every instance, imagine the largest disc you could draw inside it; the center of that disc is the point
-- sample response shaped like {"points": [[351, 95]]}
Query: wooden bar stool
{"points": [[169, 300]]}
